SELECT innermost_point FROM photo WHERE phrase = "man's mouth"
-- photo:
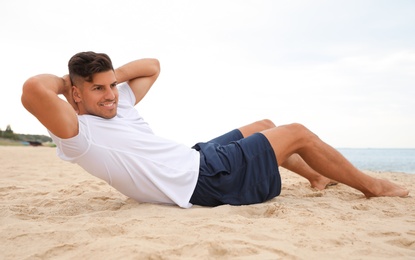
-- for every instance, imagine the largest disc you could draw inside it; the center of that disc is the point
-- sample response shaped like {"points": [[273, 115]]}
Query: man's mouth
{"points": [[108, 104]]}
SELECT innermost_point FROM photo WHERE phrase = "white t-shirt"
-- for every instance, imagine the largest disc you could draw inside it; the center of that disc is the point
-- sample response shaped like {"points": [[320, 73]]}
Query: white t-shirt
{"points": [[124, 152]]}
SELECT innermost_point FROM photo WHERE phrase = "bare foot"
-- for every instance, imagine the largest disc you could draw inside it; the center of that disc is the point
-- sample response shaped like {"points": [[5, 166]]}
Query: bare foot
{"points": [[384, 188], [322, 183]]}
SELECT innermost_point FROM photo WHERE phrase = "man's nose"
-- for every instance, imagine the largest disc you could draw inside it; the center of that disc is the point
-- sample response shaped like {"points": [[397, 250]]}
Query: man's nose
{"points": [[109, 94]]}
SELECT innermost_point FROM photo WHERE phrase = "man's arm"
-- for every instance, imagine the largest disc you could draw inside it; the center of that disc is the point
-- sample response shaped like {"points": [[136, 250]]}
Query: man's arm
{"points": [[40, 97], [140, 74]]}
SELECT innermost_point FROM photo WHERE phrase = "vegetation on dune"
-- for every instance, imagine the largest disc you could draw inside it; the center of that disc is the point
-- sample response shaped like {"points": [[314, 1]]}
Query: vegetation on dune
{"points": [[8, 137]]}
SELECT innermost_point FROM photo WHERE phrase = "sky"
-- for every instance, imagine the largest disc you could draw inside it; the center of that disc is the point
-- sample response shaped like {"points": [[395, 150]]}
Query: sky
{"points": [[344, 69]]}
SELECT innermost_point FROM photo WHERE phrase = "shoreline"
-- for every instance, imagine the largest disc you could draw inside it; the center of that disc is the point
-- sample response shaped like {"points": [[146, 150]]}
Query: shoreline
{"points": [[54, 209]]}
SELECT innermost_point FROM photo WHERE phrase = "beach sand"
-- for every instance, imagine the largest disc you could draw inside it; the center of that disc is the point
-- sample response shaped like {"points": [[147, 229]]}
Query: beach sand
{"points": [[52, 209]]}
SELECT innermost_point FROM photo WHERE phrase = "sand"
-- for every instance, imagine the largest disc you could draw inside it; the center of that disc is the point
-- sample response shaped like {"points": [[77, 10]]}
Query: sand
{"points": [[50, 209]]}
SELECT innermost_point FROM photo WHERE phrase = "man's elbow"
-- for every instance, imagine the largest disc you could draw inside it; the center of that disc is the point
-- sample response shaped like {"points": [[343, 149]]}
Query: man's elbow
{"points": [[156, 66], [29, 90]]}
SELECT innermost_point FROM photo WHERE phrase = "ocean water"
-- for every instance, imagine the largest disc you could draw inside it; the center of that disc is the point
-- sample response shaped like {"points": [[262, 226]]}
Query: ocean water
{"points": [[382, 160]]}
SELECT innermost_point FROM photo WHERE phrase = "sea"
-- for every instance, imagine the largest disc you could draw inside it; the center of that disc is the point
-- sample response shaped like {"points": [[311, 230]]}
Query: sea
{"points": [[381, 160]]}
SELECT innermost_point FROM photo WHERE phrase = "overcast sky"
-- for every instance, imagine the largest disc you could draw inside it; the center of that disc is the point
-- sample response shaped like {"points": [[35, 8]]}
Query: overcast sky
{"points": [[345, 69]]}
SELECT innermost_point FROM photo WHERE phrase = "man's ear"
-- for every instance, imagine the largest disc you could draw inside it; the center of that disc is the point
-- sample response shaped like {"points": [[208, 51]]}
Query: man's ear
{"points": [[76, 93]]}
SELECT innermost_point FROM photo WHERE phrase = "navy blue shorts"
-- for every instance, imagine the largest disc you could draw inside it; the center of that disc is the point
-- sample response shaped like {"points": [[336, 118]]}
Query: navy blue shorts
{"points": [[236, 171]]}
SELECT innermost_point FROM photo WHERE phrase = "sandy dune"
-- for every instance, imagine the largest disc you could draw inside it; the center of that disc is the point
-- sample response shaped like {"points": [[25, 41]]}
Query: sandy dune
{"points": [[50, 209]]}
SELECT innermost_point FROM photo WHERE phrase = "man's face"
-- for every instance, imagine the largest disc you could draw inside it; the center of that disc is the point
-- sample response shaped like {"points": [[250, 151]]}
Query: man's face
{"points": [[99, 97]]}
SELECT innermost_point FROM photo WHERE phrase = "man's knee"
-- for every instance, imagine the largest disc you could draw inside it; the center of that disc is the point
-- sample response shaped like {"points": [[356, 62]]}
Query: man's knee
{"points": [[256, 127], [297, 127], [301, 131], [266, 124]]}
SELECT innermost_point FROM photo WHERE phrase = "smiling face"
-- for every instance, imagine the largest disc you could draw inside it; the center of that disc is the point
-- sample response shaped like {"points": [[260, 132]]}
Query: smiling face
{"points": [[99, 97]]}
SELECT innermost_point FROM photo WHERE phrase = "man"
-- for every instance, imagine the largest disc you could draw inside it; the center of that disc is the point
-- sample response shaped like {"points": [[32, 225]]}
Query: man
{"points": [[99, 129]]}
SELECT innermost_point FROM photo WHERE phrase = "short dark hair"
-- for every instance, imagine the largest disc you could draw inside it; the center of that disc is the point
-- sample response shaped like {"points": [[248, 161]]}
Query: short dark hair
{"points": [[84, 65]]}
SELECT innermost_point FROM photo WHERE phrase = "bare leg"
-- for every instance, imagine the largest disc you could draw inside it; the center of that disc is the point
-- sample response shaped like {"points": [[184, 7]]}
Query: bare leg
{"points": [[256, 127], [294, 163], [295, 138]]}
